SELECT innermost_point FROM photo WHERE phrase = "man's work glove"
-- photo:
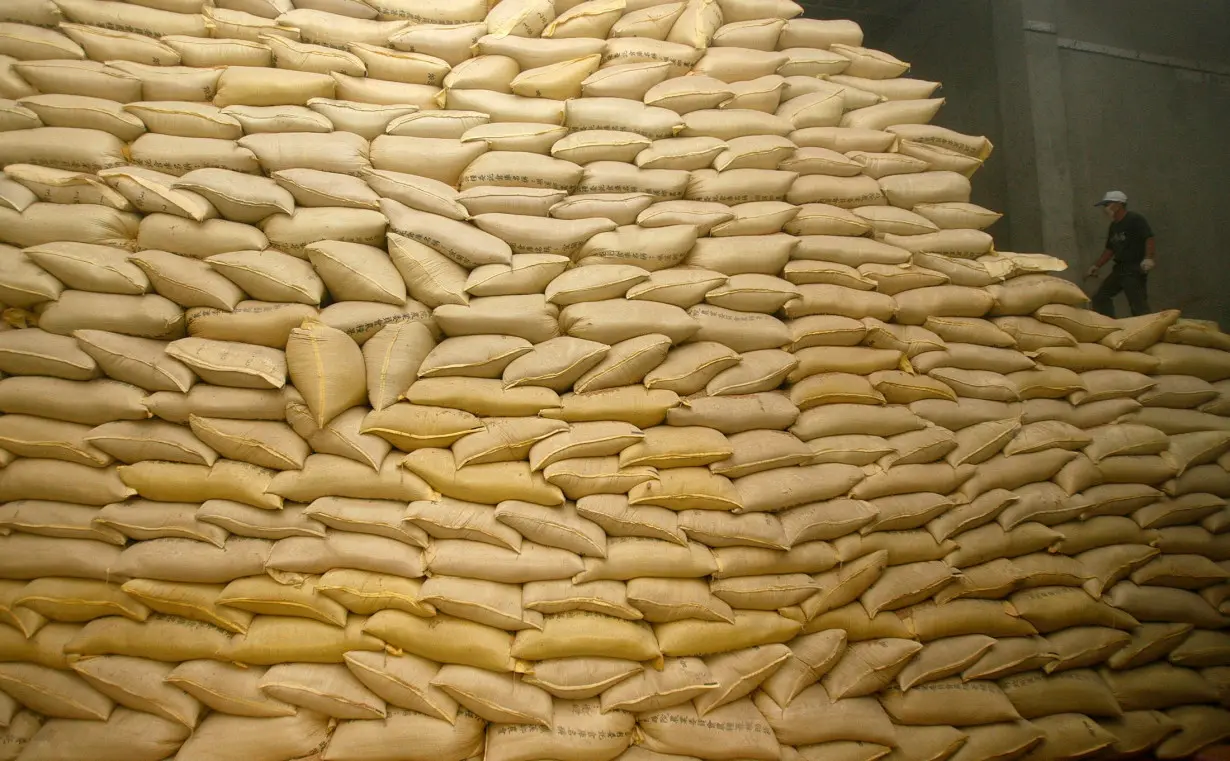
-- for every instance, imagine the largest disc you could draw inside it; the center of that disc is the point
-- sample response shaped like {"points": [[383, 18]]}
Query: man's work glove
{"points": [[1147, 265]]}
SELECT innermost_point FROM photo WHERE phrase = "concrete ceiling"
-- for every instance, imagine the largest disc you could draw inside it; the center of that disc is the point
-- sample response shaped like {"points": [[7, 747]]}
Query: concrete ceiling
{"points": [[879, 18]]}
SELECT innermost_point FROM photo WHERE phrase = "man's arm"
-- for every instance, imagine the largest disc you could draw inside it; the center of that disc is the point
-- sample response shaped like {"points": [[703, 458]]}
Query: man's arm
{"points": [[1106, 257], [1150, 255]]}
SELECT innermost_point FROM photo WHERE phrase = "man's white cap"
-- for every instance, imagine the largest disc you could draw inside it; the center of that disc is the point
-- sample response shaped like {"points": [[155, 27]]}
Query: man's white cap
{"points": [[1114, 196]]}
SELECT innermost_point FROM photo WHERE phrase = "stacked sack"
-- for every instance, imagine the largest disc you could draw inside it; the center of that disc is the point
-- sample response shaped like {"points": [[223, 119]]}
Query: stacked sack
{"points": [[392, 380]]}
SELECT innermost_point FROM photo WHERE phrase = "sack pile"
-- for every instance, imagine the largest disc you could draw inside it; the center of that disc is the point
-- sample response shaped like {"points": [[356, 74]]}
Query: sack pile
{"points": [[398, 380]]}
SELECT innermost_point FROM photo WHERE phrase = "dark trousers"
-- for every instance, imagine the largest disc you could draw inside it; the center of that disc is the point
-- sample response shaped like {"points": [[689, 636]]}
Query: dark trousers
{"points": [[1126, 279]]}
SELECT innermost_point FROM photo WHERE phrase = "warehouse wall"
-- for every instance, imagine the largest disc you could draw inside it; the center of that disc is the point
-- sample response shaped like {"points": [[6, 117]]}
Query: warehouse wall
{"points": [[968, 70], [1157, 133], [1070, 124]]}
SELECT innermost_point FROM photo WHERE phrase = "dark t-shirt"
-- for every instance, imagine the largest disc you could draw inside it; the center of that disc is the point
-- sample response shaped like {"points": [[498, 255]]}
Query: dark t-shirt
{"points": [[1126, 238]]}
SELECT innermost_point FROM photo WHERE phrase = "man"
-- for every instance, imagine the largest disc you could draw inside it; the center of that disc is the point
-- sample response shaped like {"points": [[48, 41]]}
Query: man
{"points": [[1130, 243]]}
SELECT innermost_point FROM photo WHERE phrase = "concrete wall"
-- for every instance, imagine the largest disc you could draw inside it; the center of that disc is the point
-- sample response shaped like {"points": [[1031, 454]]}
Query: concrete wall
{"points": [[1070, 124], [1157, 133], [947, 41]]}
